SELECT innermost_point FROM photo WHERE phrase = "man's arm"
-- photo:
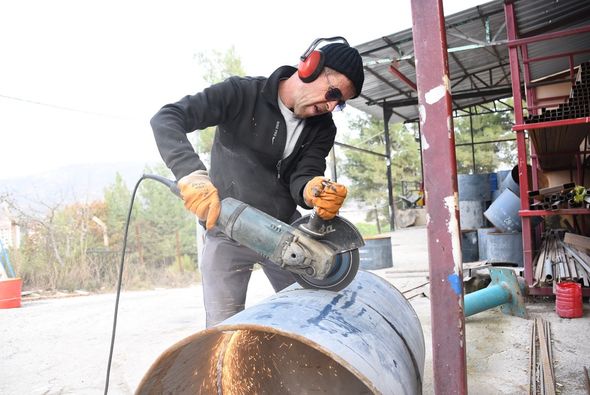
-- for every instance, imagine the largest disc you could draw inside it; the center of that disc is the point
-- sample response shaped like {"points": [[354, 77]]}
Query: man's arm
{"points": [[170, 132], [312, 164], [172, 123]]}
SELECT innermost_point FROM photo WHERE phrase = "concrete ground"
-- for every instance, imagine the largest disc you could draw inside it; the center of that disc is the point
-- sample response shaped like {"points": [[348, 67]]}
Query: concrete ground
{"points": [[60, 346], [497, 344]]}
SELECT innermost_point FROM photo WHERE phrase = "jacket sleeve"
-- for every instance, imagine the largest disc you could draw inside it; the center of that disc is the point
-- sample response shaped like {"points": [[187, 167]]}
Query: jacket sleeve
{"points": [[171, 124], [313, 161]]}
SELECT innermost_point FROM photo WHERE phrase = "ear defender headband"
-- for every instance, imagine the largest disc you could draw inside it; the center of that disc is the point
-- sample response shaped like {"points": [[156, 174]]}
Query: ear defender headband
{"points": [[312, 61]]}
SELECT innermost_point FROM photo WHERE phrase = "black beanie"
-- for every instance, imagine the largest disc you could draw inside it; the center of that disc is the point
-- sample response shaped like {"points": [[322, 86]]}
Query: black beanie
{"points": [[346, 60]]}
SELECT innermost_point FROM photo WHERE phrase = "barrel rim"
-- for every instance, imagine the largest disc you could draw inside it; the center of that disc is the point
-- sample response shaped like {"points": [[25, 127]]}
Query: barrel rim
{"points": [[220, 328]]}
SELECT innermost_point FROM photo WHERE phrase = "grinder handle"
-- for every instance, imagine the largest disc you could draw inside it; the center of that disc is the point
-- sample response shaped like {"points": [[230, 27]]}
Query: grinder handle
{"points": [[315, 226]]}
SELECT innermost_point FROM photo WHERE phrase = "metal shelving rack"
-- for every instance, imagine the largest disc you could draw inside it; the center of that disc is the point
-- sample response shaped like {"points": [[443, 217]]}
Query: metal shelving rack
{"points": [[521, 128]]}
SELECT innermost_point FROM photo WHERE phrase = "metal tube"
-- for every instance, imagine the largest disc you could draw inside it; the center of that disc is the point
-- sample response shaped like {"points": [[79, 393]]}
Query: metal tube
{"points": [[548, 270], [364, 339], [485, 299]]}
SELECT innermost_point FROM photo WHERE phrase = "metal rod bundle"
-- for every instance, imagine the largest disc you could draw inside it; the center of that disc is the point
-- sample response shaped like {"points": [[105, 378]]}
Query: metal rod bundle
{"points": [[542, 373], [564, 127], [567, 195], [576, 106], [560, 260]]}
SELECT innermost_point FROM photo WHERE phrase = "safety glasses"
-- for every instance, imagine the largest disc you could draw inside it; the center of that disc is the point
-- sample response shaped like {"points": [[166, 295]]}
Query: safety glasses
{"points": [[334, 94]]}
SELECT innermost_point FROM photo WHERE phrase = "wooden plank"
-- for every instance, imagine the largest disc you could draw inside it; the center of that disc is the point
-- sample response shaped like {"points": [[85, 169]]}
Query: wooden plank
{"points": [[577, 240], [583, 259], [546, 362]]}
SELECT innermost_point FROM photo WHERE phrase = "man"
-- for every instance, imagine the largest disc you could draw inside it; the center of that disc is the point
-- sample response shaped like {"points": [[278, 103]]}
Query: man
{"points": [[273, 135]]}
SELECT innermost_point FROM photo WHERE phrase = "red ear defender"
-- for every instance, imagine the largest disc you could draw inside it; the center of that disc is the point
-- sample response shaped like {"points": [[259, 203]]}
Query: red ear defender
{"points": [[312, 61], [311, 67]]}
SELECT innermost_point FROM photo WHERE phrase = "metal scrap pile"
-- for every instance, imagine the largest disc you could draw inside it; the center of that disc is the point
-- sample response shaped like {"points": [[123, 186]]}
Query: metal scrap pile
{"points": [[576, 105], [563, 256], [558, 197]]}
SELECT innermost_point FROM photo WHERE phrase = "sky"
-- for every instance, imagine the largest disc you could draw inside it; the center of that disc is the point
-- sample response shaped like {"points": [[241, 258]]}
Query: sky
{"points": [[80, 79]]}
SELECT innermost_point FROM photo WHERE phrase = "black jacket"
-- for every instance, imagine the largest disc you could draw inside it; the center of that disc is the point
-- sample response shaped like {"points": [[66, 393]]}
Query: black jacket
{"points": [[249, 142]]}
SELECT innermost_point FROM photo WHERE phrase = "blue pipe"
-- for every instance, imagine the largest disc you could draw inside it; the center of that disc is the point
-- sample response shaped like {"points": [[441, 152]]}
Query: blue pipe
{"points": [[487, 298]]}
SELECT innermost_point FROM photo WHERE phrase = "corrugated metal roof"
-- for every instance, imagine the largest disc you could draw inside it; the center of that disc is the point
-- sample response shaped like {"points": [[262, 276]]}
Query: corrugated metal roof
{"points": [[478, 55]]}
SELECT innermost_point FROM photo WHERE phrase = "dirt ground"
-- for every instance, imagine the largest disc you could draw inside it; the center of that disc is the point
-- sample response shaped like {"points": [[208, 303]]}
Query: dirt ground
{"points": [[60, 346]]}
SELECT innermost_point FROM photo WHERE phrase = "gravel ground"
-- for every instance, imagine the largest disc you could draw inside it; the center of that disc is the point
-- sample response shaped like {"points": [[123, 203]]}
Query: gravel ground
{"points": [[60, 346]]}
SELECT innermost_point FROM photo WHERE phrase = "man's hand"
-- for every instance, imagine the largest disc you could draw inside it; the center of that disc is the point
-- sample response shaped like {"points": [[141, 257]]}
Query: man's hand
{"points": [[325, 196], [200, 197]]}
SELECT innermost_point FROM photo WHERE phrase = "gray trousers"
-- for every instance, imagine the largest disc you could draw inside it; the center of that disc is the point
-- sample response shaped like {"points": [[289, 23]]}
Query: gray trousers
{"points": [[225, 271]]}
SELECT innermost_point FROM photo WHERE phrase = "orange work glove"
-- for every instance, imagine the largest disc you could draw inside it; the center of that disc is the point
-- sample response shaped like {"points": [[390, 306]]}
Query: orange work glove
{"points": [[200, 197], [325, 196]]}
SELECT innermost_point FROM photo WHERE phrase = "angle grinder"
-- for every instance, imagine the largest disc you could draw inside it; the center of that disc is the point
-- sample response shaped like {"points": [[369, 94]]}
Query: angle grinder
{"points": [[321, 254]]}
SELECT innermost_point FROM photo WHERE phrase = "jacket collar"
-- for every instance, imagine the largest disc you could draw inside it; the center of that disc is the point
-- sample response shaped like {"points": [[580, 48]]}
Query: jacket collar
{"points": [[270, 89]]}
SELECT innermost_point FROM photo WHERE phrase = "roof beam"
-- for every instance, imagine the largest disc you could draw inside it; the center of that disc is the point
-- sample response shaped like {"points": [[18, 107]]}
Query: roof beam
{"points": [[494, 49], [385, 81], [402, 77]]}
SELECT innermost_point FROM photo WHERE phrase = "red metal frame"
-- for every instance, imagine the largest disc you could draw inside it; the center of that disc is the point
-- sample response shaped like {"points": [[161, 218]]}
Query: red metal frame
{"points": [[542, 125], [555, 56], [514, 44], [393, 70]]}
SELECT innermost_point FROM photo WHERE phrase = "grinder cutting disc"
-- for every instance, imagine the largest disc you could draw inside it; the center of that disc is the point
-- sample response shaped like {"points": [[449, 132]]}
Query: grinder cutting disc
{"points": [[344, 239]]}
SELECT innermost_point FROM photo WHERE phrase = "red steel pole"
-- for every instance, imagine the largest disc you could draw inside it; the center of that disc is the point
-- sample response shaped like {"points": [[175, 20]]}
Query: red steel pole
{"points": [[527, 242], [440, 176]]}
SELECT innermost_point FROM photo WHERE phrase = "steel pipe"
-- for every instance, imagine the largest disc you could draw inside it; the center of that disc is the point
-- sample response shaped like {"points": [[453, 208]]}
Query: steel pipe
{"points": [[366, 339]]}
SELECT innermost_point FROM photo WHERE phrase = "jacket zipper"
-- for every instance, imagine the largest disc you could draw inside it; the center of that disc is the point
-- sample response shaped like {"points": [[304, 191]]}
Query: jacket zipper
{"points": [[279, 168]]}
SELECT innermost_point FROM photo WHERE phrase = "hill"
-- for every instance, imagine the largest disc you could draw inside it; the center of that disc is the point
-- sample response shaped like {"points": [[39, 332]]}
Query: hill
{"points": [[74, 183]]}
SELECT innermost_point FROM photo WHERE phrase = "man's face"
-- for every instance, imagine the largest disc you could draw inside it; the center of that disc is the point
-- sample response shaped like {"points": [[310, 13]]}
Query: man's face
{"points": [[329, 90]]}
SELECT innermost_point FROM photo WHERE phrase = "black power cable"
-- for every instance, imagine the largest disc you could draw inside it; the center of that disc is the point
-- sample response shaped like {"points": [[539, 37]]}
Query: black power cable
{"points": [[170, 184]]}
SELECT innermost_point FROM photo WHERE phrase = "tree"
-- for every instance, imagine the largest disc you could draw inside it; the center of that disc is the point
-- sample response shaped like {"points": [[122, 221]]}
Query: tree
{"points": [[487, 127], [116, 197], [53, 254], [368, 173], [161, 217]]}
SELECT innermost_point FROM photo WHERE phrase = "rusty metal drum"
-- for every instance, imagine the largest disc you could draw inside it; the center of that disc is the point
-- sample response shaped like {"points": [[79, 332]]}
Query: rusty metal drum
{"points": [[365, 339]]}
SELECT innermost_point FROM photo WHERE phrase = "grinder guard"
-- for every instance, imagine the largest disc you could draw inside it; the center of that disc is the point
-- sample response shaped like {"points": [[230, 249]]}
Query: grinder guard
{"points": [[328, 262]]}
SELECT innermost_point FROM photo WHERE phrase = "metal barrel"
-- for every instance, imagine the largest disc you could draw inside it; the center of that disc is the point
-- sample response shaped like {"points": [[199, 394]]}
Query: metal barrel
{"points": [[474, 187], [471, 214], [512, 181], [376, 253], [504, 248], [501, 176], [365, 339], [469, 245], [482, 242], [503, 212]]}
